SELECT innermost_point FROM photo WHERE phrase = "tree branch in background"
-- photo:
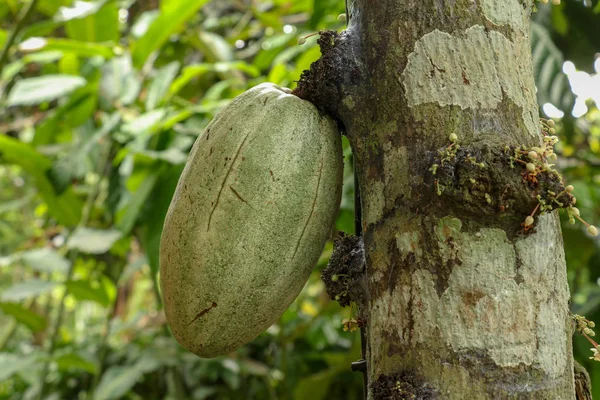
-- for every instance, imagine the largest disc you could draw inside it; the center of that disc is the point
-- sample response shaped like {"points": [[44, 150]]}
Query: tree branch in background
{"points": [[25, 12]]}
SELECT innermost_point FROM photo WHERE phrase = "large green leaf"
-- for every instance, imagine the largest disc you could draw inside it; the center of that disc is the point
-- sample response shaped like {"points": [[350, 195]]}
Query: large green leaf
{"points": [[552, 84], [170, 21], [43, 88], [25, 290], [30, 319], [66, 208]]}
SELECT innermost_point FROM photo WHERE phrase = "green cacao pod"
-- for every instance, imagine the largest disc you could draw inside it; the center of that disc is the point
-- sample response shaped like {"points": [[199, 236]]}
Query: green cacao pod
{"points": [[252, 211]]}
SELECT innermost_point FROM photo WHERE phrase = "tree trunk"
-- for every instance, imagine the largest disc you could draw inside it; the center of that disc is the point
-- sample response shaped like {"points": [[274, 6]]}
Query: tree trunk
{"points": [[461, 301]]}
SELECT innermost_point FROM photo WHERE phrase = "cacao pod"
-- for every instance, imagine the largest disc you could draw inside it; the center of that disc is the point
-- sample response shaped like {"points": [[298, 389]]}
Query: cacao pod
{"points": [[252, 211]]}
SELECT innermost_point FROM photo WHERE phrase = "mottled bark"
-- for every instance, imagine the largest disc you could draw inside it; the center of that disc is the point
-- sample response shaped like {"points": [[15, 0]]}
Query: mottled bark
{"points": [[459, 303]]}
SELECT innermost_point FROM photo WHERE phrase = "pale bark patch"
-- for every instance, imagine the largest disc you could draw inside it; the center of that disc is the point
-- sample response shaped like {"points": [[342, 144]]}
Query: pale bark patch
{"points": [[482, 297], [543, 265], [396, 174], [508, 12], [408, 242], [374, 203], [472, 70], [484, 306]]}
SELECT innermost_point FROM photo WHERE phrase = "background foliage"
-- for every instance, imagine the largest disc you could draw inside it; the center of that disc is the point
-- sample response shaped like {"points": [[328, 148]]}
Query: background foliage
{"points": [[99, 104]]}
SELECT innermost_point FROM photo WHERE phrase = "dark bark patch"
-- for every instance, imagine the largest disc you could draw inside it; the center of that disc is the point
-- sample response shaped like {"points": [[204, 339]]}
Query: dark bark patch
{"points": [[583, 385], [487, 186], [472, 298], [403, 386], [521, 381], [519, 279], [323, 83], [344, 276]]}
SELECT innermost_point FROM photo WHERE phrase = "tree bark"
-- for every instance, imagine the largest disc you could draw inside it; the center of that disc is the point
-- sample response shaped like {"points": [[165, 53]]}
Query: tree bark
{"points": [[460, 302]]}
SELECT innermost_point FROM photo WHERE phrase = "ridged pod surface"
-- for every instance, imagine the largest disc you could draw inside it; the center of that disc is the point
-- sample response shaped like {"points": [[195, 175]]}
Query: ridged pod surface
{"points": [[252, 211]]}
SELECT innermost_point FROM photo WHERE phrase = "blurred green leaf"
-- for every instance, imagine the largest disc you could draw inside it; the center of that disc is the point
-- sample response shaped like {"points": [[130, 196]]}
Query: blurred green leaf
{"points": [[73, 361], [168, 22], [119, 80], [127, 216], [30, 319], [552, 84], [43, 57], [161, 199], [25, 290], [93, 241], [11, 364], [80, 48], [171, 155], [117, 381], [44, 88], [321, 8], [66, 208], [99, 25], [45, 260], [142, 125], [141, 25], [16, 204], [195, 70], [315, 387], [78, 10], [214, 47], [84, 290], [160, 84]]}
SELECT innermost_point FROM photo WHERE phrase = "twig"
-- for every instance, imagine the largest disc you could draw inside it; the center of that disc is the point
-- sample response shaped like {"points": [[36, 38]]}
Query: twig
{"points": [[25, 12], [22, 123]]}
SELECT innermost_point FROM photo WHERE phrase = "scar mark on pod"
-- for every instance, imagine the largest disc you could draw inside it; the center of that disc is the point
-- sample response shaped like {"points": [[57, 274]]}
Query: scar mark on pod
{"points": [[238, 196], [272, 176], [201, 313], [312, 209], [225, 180], [464, 77]]}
